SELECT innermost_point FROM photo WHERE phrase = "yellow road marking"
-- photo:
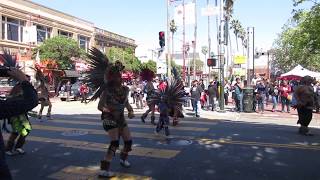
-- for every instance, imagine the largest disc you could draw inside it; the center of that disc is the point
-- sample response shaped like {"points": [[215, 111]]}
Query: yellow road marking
{"points": [[179, 128], [91, 173], [261, 144], [86, 145], [102, 132]]}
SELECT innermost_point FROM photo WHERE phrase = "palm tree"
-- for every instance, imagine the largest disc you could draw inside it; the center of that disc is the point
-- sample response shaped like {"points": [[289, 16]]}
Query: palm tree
{"points": [[236, 26], [173, 29]]}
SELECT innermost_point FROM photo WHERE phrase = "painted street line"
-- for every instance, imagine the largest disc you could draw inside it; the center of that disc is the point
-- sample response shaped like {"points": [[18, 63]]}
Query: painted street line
{"points": [[86, 145], [179, 128], [91, 173]]}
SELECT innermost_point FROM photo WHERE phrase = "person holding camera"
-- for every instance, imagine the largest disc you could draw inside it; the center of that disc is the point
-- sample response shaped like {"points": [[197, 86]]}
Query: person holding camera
{"points": [[15, 106]]}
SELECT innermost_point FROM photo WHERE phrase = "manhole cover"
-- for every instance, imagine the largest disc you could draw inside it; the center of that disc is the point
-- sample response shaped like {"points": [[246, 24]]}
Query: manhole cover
{"points": [[177, 142], [74, 133]]}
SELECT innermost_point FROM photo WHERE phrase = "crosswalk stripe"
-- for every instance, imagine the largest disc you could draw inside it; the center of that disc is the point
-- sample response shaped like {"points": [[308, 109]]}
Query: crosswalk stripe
{"points": [[209, 142], [182, 121], [90, 173], [102, 132], [93, 146], [179, 128]]}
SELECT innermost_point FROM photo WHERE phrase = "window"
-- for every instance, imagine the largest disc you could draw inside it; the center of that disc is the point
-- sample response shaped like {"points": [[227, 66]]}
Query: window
{"points": [[3, 28], [65, 34], [12, 29], [84, 42], [43, 33]]}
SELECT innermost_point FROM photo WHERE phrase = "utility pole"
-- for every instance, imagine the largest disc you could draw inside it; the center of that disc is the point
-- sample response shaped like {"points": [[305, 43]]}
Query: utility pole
{"points": [[218, 39], [184, 41], [221, 53], [195, 39], [168, 57], [209, 42]]}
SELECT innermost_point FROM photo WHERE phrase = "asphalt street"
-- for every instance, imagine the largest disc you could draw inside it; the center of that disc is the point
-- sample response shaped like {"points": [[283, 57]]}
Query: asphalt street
{"points": [[224, 146]]}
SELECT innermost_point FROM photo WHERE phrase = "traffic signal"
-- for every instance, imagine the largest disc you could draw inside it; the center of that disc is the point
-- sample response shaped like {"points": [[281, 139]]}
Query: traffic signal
{"points": [[212, 62], [162, 41]]}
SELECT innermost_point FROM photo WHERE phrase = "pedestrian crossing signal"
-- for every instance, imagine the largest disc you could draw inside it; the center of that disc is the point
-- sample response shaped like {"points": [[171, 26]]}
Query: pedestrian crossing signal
{"points": [[211, 62]]}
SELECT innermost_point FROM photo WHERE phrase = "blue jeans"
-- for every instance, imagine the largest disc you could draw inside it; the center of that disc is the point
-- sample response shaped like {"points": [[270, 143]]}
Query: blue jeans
{"points": [[195, 106], [239, 103], [261, 102], [4, 169], [275, 102], [285, 102]]}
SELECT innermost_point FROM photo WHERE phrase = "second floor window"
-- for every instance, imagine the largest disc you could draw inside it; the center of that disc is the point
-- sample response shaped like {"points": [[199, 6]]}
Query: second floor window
{"points": [[12, 29], [43, 33], [65, 34]]}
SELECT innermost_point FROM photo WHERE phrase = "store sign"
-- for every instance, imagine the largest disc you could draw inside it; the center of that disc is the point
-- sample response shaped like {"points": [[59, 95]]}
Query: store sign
{"points": [[239, 59]]}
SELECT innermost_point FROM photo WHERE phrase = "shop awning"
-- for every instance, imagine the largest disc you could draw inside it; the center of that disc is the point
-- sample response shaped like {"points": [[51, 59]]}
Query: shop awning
{"points": [[71, 73]]}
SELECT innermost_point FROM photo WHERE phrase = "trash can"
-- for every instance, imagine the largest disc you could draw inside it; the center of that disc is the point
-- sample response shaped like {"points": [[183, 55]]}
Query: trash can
{"points": [[248, 99]]}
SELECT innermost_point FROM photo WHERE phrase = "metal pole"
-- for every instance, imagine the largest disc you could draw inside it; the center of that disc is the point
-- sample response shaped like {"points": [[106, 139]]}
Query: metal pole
{"points": [[168, 40], [222, 24], [253, 51], [195, 40], [184, 43], [248, 58], [209, 42], [218, 31]]}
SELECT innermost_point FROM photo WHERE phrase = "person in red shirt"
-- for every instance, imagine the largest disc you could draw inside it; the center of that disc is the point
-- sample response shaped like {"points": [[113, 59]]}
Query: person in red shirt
{"points": [[84, 90], [285, 90], [162, 85]]}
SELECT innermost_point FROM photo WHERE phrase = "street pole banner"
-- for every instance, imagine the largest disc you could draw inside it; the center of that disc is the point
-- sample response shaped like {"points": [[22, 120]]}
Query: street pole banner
{"points": [[239, 59], [189, 10], [30, 34], [210, 10]]}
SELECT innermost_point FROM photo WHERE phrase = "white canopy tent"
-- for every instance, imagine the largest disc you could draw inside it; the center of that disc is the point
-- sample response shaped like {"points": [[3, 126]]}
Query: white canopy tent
{"points": [[300, 71]]}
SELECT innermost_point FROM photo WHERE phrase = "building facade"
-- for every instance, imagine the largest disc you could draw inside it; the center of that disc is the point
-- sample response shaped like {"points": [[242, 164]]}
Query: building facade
{"points": [[25, 25]]}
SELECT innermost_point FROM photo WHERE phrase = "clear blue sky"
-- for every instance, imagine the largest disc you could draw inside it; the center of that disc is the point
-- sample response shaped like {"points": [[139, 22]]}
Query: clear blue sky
{"points": [[143, 19]]}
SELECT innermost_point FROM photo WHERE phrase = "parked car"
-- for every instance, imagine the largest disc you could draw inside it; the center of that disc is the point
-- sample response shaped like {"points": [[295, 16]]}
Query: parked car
{"points": [[5, 87], [74, 94]]}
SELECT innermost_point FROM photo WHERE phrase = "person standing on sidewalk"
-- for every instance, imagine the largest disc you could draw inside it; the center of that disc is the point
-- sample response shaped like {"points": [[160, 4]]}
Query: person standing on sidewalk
{"points": [[212, 91], [261, 95], [274, 92], [285, 90], [68, 90], [304, 95], [317, 96], [226, 92], [239, 95], [195, 92], [84, 90]]}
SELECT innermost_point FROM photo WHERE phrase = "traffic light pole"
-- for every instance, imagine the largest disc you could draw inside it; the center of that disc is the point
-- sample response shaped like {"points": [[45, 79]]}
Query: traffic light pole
{"points": [[168, 57]]}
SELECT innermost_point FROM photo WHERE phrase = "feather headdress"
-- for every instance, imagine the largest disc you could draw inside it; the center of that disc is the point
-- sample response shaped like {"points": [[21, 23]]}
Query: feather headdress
{"points": [[101, 71], [173, 95], [7, 59], [146, 74]]}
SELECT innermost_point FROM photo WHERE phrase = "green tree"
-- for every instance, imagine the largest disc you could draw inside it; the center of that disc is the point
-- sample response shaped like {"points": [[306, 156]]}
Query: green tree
{"points": [[126, 56], [299, 41], [61, 50], [199, 64], [152, 65]]}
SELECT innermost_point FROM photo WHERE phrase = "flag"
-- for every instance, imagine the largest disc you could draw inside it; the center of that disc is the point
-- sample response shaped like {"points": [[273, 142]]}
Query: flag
{"points": [[189, 13]]}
